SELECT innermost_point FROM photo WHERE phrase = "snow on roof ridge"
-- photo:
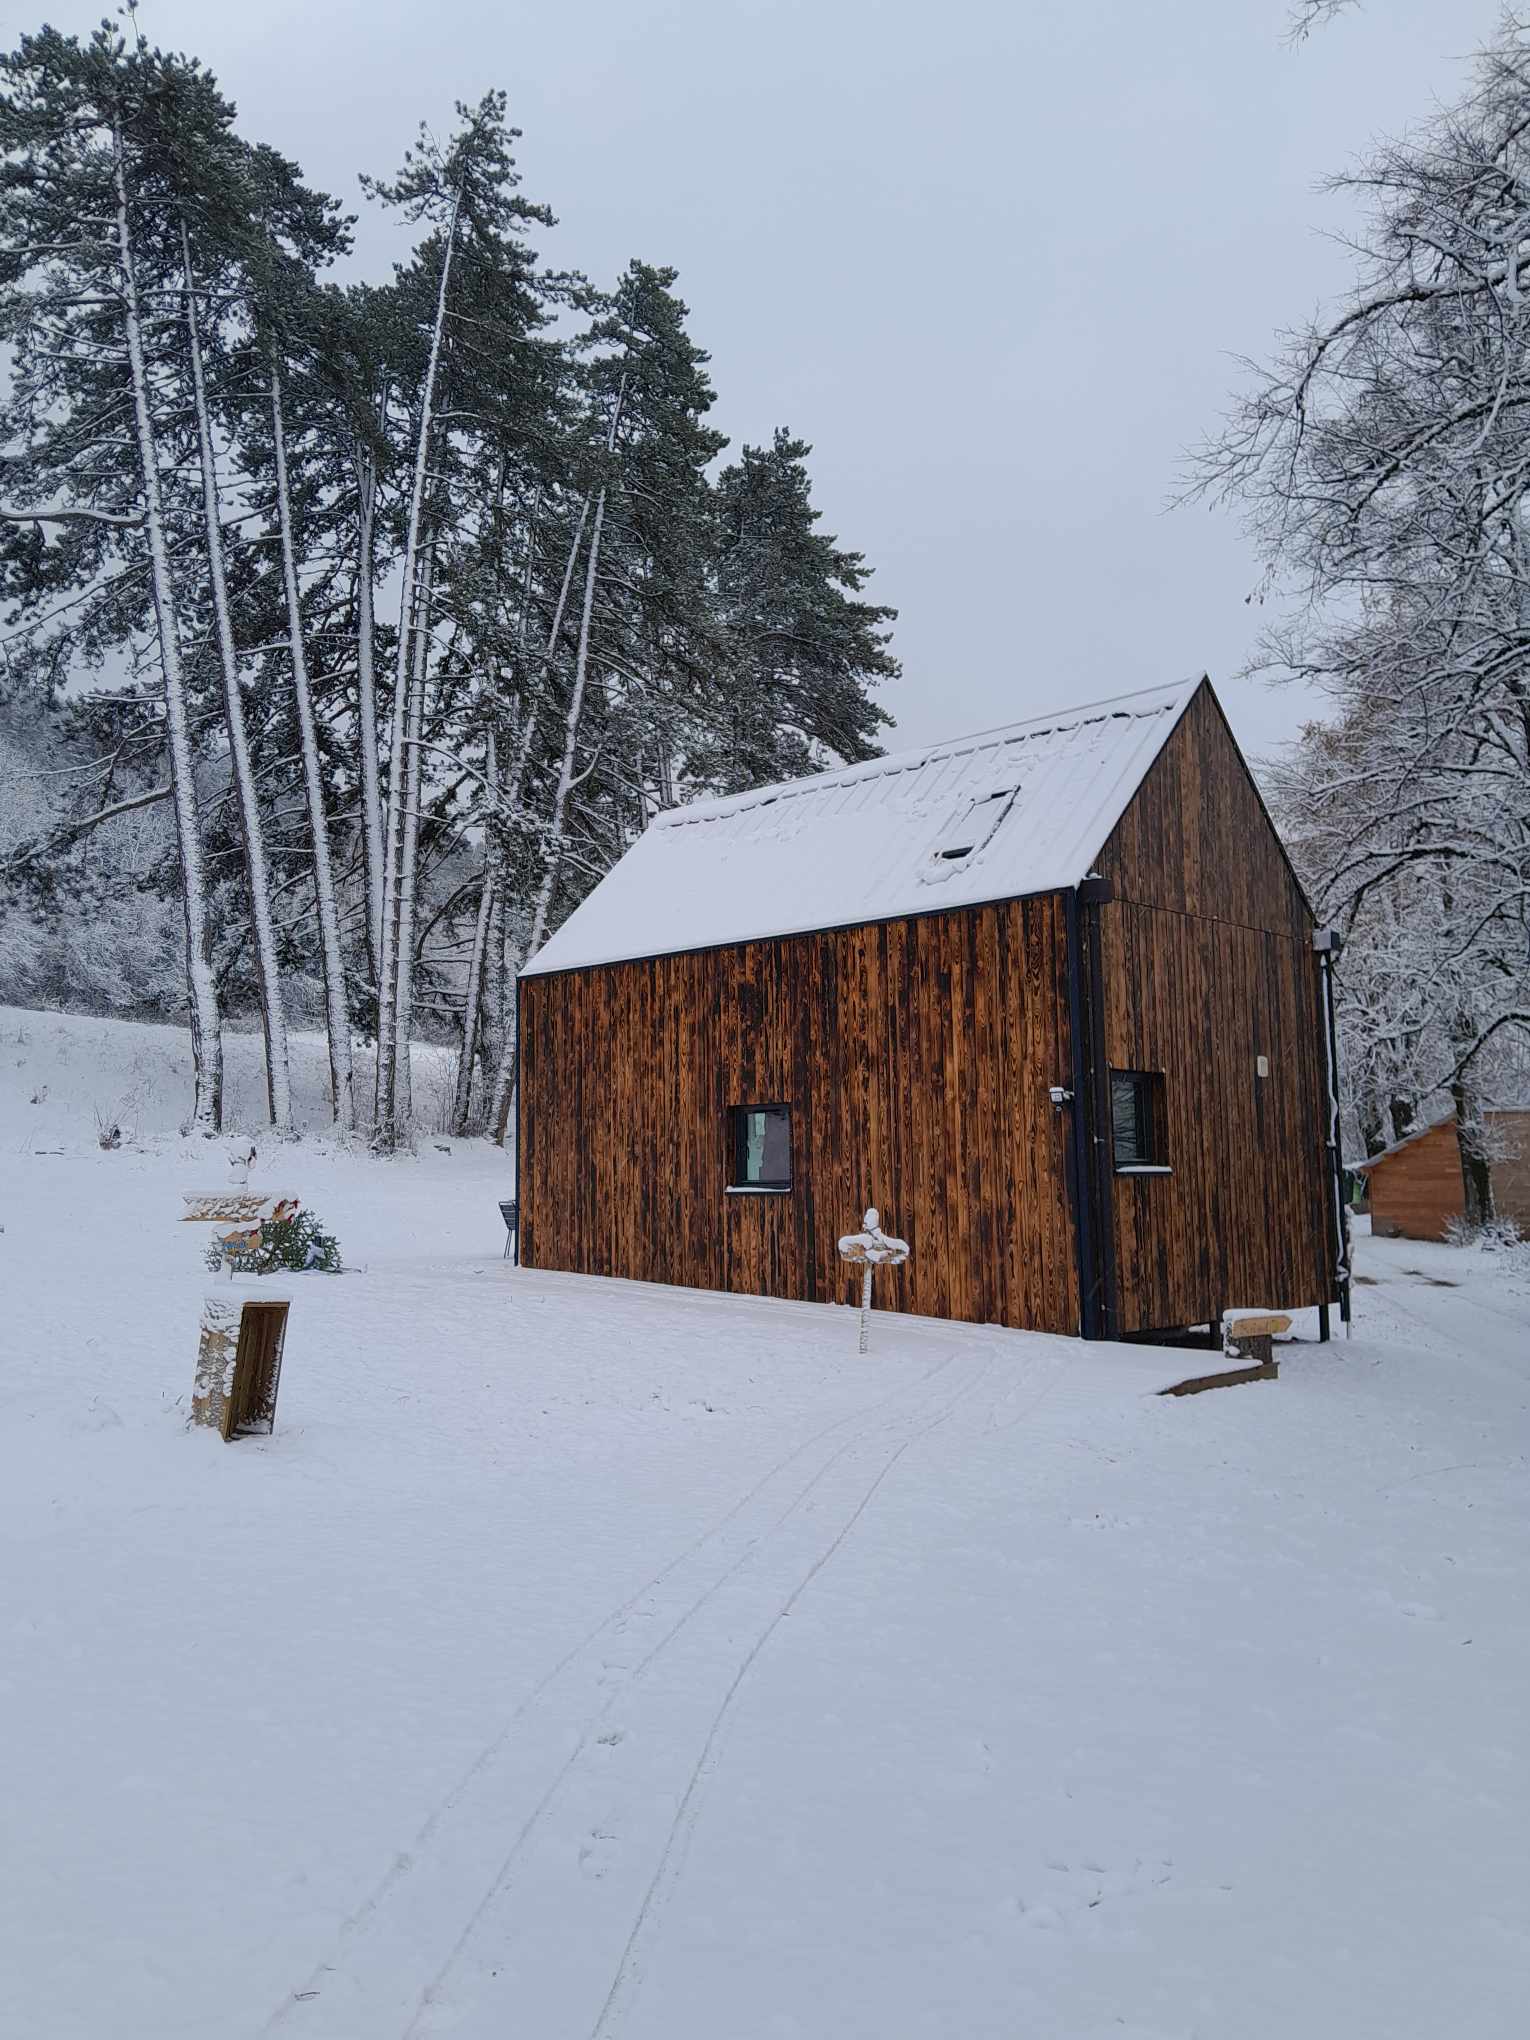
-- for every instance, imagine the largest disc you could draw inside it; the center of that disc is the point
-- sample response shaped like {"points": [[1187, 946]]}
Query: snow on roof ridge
{"points": [[871, 842], [915, 758]]}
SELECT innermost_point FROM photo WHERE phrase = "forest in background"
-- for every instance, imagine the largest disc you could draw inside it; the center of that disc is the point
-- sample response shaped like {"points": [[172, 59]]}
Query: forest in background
{"points": [[1382, 463], [349, 631]]}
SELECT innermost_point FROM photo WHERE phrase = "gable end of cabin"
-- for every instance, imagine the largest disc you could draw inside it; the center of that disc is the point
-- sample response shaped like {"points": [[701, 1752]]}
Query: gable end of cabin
{"points": [[1203, 984]]}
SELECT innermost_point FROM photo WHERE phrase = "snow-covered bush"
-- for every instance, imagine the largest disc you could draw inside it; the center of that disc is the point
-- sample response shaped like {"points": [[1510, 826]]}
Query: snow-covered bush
{"points": [[1497, 1236], [298, 1244]]}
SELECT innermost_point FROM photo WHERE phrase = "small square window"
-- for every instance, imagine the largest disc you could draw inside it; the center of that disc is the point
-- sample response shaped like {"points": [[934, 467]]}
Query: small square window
{"points": [[1137, 1120], [762, 1147]]}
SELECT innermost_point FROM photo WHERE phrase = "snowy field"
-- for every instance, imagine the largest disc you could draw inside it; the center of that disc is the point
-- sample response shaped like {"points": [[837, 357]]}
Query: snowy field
{"points": [[581, 1659]]}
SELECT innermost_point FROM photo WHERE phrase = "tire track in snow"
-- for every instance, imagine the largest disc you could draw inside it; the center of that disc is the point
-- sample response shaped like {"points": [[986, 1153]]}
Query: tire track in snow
{"points": [[629, 1972], [417, 1858], [534, 1947]]}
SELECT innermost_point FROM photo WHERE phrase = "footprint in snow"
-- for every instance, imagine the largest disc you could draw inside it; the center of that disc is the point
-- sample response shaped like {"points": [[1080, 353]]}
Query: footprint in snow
{"points": [[595, 1853], [1088, 1887]]}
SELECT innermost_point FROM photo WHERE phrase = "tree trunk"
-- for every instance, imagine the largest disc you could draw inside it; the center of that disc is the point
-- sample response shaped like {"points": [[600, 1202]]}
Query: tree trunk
{"points": [[389, 1118], [543, 908], [462, 1102], [499, 988], [491, 1036], [366, 705], [202, 991], [1368, 1116], [1476, 1168], [550, 876], [273, 1018], [336, 1015], [504, 1075], [545, 890], [409, 857]]}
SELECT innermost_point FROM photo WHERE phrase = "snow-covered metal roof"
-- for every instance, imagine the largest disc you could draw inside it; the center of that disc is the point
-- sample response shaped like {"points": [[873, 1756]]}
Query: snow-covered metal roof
{"points": [[1023, 809]]}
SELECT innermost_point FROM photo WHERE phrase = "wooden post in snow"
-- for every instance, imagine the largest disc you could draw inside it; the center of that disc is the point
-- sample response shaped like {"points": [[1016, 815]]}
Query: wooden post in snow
{"points": [[868, 1251]]}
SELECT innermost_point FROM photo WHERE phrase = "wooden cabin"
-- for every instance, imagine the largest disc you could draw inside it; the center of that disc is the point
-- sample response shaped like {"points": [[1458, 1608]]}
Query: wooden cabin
{"points": [[1047, 997], [1416, 1187]]}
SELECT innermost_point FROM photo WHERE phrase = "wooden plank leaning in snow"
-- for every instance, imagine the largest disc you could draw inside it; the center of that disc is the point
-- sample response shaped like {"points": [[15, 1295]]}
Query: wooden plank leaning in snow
{"points": [[871, 1249], [239, 1361]]}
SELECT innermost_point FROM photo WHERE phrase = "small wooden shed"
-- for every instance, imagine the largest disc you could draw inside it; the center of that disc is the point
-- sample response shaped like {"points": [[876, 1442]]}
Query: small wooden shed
{"points": [[1051, 998], [1416, 1187]]}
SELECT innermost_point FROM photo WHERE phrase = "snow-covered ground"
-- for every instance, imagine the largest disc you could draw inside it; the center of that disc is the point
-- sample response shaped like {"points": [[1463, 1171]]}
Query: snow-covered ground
{"points": [[584, 1659]]}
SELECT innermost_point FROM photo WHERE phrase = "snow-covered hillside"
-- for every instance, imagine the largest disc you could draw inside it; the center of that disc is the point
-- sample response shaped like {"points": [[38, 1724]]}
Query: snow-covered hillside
{"points": [[64, 1076], [581, 1659]]}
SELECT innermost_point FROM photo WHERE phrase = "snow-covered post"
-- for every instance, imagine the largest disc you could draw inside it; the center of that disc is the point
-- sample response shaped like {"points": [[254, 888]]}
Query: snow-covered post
{"points": [[868, 1251]]}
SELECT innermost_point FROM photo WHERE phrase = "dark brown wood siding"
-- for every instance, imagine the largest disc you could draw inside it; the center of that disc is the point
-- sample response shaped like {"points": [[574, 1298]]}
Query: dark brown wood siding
{"points": [[1207, 964], [1196, 838], [916, 1056], [1241, 1219]]}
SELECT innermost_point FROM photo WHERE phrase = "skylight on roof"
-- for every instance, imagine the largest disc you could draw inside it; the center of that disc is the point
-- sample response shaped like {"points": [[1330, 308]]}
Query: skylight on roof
{"points": [[964, 836]]}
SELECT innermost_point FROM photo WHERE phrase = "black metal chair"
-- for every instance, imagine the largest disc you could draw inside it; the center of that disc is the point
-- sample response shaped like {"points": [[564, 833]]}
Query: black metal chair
{"points": [[510, 1212]]}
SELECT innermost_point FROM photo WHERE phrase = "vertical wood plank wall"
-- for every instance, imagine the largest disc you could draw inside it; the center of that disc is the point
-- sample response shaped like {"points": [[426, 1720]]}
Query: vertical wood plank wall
{"points": [[1196, 838], [917, 1057], [1241, 1219], [1208, 964], [1415, 1193]]}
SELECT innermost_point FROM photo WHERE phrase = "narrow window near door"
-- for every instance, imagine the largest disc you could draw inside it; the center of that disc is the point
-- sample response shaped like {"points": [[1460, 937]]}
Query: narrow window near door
{"points": [[1137, 1122], [762, 1147]]}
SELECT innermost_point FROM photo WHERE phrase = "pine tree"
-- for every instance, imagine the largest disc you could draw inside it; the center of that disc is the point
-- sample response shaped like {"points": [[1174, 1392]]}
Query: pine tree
{"points": [[478, 272], [215, 465], [802, 651], [648, 660], [90, 263], [480, 389]]}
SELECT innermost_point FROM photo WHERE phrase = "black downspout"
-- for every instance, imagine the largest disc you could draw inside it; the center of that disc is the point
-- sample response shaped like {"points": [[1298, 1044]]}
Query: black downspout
{"points": [[1080, 1108], [1086, 1214], [1328, 942], [1093, 894]]}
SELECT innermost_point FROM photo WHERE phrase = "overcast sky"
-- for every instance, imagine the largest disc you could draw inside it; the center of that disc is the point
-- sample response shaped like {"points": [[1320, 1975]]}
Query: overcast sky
{"points": [[991, 257]]}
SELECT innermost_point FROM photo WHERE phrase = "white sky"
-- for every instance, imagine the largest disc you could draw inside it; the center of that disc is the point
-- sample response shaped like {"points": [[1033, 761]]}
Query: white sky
{"points": [[991, 259]]}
